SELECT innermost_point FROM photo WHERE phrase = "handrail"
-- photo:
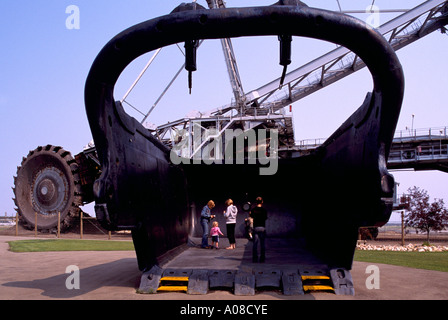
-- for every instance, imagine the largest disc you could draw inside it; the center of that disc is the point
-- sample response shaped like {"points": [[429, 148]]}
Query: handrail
{"points": [[432, 132], [439, 132]]}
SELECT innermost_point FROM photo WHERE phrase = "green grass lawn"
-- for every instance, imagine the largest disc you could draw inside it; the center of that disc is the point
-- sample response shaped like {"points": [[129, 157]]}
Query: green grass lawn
{"points": [[437, 261], [69, 245]]}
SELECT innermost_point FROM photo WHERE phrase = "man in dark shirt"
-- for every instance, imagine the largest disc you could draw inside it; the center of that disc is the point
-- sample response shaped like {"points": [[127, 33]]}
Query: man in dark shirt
{"points": [[259, 215]]}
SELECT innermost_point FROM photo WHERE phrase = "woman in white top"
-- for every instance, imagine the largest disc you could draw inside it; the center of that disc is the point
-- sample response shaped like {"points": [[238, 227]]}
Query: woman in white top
{"points": [[230, 215]]}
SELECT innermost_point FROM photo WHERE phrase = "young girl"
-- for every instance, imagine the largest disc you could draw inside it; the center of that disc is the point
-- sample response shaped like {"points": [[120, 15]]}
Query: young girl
{"points": [[215, 232]]}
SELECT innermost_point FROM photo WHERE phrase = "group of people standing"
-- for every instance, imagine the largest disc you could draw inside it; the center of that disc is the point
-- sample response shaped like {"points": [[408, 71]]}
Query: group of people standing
{"points": [[206, 215], [258, 216]]}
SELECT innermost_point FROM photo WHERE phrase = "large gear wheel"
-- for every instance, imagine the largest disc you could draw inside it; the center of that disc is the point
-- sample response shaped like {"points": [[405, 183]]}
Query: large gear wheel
{"points": [[47, 183]]}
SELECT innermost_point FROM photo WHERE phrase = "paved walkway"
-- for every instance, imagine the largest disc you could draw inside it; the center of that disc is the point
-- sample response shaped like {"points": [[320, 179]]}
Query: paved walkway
{"points": [[114, 275]]}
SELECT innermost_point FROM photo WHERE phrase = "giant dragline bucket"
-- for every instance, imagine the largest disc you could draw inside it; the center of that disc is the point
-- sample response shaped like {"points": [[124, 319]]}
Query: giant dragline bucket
{"points": [[141, 189]]}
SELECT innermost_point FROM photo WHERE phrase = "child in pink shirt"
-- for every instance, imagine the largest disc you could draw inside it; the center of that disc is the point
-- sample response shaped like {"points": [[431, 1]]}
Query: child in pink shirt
{"points": [[215, 232]]}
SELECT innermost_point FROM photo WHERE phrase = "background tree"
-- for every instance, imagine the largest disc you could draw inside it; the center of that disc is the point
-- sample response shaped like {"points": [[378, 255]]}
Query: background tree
{"points": [[423, 215]]}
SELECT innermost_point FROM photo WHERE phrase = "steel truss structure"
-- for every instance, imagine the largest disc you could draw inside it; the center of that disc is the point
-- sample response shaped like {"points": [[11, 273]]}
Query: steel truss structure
{"points": [[267, 103]]}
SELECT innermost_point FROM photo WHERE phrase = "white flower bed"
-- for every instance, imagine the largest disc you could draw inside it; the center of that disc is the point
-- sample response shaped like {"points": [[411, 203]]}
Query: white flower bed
{"points": [[407, 248]]}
